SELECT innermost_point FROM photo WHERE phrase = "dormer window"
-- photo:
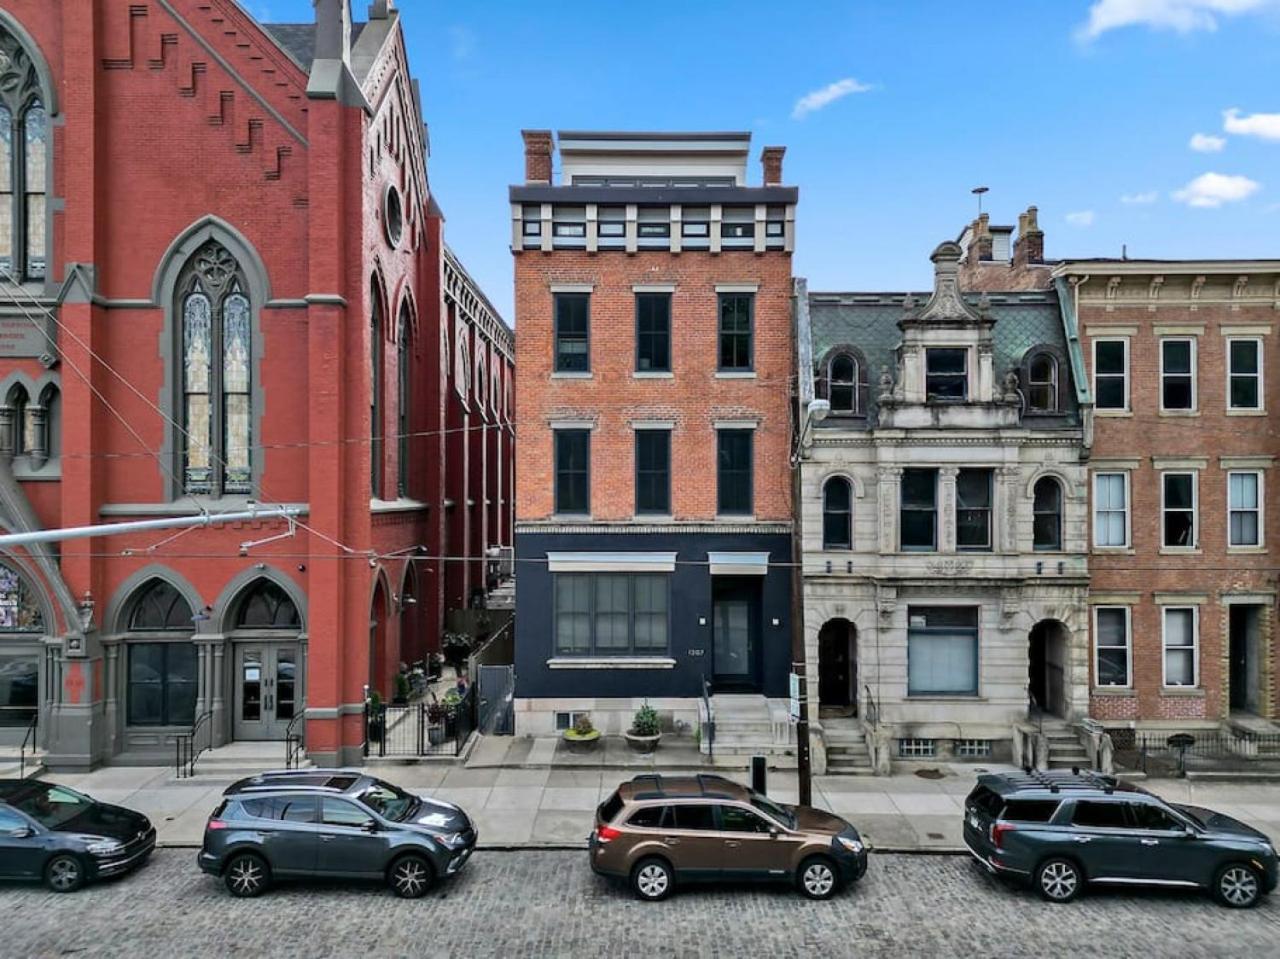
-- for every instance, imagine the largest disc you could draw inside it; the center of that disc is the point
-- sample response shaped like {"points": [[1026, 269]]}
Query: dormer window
{"points": [[1042, 385], [843, 377], [947, 374]]}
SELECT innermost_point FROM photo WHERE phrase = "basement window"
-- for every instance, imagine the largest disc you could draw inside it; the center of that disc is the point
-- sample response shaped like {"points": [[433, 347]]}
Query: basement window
{"points": [[972, 748], [915, 749]]}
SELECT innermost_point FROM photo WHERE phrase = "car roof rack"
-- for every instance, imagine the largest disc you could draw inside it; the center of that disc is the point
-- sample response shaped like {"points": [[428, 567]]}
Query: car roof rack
{"points": [[710, 786], [1057, 780]]}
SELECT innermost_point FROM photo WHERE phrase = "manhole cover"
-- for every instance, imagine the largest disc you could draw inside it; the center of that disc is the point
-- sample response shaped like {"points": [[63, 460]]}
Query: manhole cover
{"points": [[930, 773]]}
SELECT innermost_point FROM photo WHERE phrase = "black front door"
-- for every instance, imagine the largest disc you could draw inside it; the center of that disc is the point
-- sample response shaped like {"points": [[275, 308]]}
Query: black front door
{"points": [[735, 627], [835, 665]]}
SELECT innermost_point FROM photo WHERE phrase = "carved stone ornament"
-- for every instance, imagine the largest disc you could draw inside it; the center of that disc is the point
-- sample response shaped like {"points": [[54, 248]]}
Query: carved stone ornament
{"points": [[215, 265], [886, 385], [949, 567], [946, 302], [1011, 387]]}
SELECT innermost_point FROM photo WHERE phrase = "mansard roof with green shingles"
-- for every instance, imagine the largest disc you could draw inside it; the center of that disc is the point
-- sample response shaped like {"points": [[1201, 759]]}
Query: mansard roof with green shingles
{"points": [[868, 322]]}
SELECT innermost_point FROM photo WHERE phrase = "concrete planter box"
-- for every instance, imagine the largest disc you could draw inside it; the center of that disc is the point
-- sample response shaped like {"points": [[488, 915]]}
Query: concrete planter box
{"points": [[581, 744], [643, 744]]}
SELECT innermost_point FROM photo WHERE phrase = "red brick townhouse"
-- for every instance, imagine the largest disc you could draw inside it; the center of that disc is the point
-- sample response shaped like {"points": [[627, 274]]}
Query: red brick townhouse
{"points": [[1182, 362], [654, 339], [223, 282]]}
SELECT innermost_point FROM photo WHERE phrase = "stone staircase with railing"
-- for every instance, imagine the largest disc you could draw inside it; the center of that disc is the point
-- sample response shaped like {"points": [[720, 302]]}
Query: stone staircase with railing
{"points": [[226, 764], [749, 725], [1065, 748], [846, 744]]}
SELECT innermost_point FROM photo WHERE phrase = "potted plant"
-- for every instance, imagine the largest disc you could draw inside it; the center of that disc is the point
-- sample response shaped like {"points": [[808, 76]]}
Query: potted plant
{"points": [[457, 646], [436, 716], [435, 663], [450, 703], [582, 737], [376, 716], [645, 732], [401, 697]]}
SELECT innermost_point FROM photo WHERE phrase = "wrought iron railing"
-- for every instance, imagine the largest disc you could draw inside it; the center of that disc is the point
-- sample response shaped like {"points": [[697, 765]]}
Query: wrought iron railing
{"points": [[708, 729], [29, 741], [1160, 753], [186, 749], [295, 742], [871, 708], [436, 728]]}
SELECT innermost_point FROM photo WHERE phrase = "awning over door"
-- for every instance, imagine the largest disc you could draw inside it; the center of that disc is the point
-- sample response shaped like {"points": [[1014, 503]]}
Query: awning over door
{"points": [[738, 564]]}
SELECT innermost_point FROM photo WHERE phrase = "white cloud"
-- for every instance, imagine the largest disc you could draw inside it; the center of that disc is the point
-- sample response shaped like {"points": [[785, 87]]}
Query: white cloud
{"points": [[1215, 189], [1207, 143], [1080, 218], [1134, 199], [1264, 125], [815, 100], [1182, 16]]}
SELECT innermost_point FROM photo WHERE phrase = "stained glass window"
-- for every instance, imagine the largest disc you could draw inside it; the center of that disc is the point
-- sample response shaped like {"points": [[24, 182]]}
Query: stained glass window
{"points": [[160, 607], [35, 183], [19, 612], [235, 390], [6, 190], [268, 606], [197, 349], [24, 143], [402, 404], [375, 390]]}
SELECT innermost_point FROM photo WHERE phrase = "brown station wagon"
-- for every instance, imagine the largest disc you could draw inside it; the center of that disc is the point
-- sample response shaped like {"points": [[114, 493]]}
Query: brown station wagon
{"points": [[655, 831]]}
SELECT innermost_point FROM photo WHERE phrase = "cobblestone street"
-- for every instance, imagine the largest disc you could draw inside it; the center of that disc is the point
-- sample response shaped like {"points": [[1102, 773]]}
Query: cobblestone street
{"points": [[549, 904]]}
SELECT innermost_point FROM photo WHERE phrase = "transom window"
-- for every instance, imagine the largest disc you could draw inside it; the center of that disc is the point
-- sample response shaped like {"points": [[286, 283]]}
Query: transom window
{"points": [[1046, 511], [837, 514], [947, 374], [1179, 495], [161, 608], [24, 174], [1177, 374], [611, 614], [1244, 374], [268, 606], [1111, 374], [1042, 383], [216, 351]]}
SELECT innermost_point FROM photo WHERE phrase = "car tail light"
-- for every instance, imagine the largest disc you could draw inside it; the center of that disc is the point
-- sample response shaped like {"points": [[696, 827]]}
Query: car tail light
{"points": [[607, 833], [216, 824], [998, 830]]}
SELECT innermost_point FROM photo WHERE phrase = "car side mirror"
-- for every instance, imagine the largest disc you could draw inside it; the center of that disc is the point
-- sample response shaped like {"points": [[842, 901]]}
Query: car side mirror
{"points": [[1189, 833], [774, 832], [22, 832], [371, 826]]}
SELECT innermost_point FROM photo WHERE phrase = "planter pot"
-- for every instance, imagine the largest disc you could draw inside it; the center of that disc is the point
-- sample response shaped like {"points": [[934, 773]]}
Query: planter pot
{"points": [[581, 744], [643, 744], [375, 731], [435, 735]]}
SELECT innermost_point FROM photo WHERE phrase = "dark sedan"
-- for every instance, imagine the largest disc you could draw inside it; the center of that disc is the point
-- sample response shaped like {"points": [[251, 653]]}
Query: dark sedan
{"points": [[55, 834]]}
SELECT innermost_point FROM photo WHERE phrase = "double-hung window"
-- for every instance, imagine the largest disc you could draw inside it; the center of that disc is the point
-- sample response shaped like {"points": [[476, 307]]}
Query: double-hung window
{"points": [[1178, 494], [942, 651], [1111, 509], [611, 614], [946, 374], [735, 331], [572, 315], [573, 471], [734, 471], [1178, 375], [653, 332], [973, 510], [1181, 646], [1244, 374], [653, 472], [918, 515], [1111, 641], [1244, 509], [1111, 374]]}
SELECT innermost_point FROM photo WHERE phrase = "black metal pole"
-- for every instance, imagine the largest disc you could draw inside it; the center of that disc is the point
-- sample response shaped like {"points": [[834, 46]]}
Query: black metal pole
{"points": [[804, 770]]}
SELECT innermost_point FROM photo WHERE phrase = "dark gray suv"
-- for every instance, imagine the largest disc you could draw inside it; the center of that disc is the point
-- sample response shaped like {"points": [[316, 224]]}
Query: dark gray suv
{"points": [[335, 823], [1062, 830]]}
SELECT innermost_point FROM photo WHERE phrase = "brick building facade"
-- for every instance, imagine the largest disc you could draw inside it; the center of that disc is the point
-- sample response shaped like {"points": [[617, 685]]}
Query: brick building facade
{"points": [[653, 303], [225, 283]]}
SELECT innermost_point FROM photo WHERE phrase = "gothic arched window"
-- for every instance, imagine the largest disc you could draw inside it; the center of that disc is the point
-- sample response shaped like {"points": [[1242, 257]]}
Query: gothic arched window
{"points": [[19, 612], [375, 389], [837, 514], [403, 399], [24, 155], [267, 606], [216, 382]]}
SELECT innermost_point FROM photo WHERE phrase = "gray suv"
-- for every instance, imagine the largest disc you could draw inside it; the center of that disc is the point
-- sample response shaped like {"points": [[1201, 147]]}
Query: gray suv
{"points": [[336, 823], [1060, 831]]}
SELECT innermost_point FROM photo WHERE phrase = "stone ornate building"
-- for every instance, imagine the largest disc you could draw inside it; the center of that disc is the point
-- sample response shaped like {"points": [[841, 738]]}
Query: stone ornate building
{"points": [[943, 515], [223, 281]]}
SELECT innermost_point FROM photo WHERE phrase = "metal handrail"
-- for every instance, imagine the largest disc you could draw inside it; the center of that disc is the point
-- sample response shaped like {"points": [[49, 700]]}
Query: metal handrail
{"points": [[873, 708], [710, 725], [1035, 712], [28, 739], [185, 749], [294, 742]]}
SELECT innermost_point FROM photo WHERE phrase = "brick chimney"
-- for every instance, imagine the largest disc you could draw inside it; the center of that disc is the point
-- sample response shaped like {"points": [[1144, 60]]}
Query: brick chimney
{"points": [[537, 156], [1029, 247], [771, 160], [981, 245]]}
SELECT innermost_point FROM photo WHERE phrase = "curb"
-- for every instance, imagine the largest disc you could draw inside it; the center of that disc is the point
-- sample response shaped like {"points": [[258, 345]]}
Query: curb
{"points": [[582, 846]]}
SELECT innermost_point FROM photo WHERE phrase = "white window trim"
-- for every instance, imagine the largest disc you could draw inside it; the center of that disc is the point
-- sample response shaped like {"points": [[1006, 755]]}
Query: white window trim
{"points": [[1259, 509], [1262, 396], [1128, 511], [1195, 379], [1195, 511], [1195, 646], [1123, 341], [1128, 647]]}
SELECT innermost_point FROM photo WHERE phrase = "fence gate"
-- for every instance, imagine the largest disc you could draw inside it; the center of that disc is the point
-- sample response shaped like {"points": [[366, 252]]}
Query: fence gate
{"points": [[496, 688]]}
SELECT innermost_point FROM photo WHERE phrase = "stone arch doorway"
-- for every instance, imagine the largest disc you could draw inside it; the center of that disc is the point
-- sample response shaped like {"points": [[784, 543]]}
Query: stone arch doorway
{"points": [[838, 667], [1047, 647], [381, 663], [269, 665]]}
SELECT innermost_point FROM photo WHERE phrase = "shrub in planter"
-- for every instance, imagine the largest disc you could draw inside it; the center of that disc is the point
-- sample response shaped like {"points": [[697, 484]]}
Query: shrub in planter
{"points": [[401, 696], [377, 716], [450, 703], [582, 736], [437, 716], [645, 732]]}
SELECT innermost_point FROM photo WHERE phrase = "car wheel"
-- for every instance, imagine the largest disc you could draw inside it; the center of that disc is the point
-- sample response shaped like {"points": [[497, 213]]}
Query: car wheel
{"points": [[818, 878], [652, 879], [410, 877], [246, 876], [64, 874], [1237, 886], [1059, 880]]}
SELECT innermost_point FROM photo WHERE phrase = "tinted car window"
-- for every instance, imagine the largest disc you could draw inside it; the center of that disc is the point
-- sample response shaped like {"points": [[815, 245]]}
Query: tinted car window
{"points": [[986, 801], [388, 801], [287, 808], [610, 808], [9, 821], [695, 817], [1029, 810], [1147, 816], [1103, 815], [51, 806], [651, 817], [339, 812], [737, 819]]}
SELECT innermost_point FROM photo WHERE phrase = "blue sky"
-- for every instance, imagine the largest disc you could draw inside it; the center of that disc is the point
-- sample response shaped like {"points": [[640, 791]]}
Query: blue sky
{"points": [[1086, 108]]}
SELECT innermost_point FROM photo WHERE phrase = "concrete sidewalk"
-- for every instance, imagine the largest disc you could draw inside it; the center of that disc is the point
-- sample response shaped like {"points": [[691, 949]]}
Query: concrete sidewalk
{"points": [[552, 805]]}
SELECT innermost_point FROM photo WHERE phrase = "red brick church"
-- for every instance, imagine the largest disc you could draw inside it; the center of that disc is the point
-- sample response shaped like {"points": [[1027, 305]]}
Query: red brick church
{"points": [[223, 286]]}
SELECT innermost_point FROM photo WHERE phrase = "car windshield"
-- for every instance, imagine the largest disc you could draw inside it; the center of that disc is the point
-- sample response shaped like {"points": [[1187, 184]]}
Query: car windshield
{"points": [[388, 801], [772, 810], [1189, 814], [50, 806]]}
